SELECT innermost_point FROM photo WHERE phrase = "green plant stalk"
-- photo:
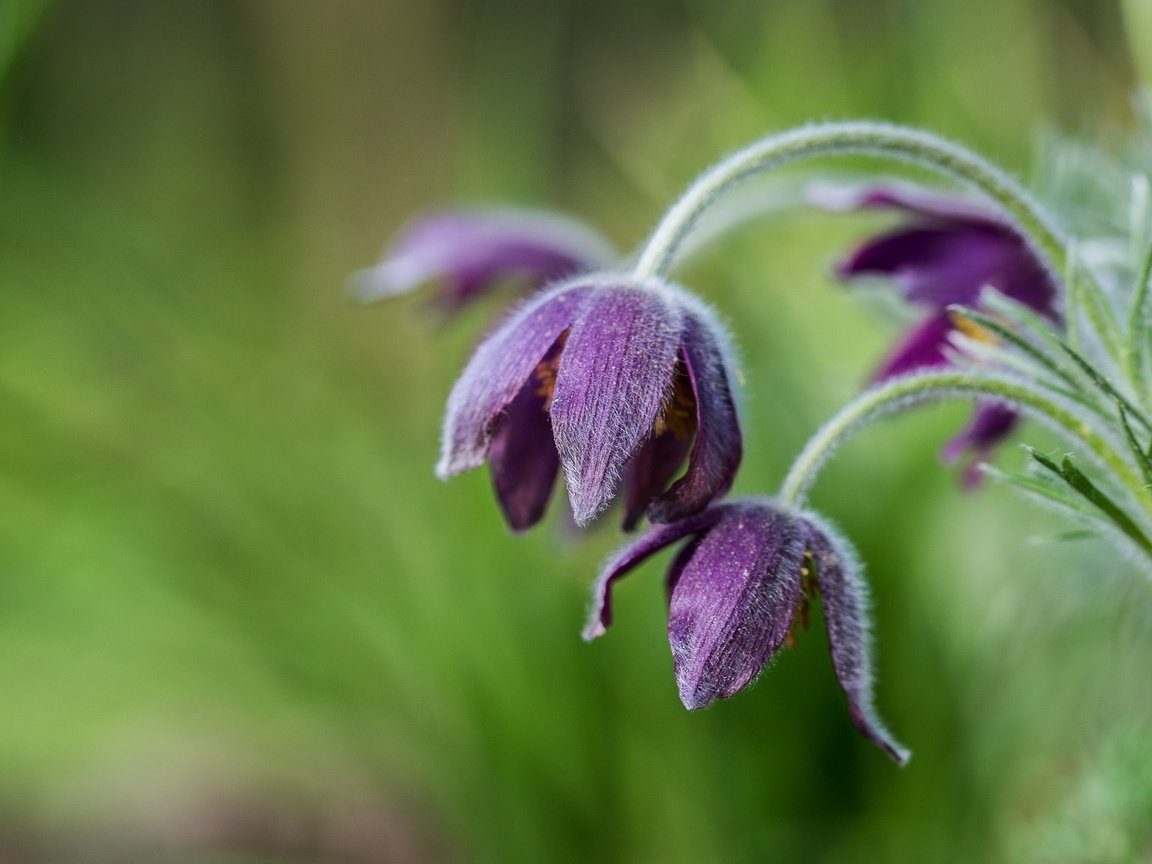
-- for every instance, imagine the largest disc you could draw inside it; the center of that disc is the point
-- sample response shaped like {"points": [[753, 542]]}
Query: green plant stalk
{"points": [[933, 386], [854, 138]]}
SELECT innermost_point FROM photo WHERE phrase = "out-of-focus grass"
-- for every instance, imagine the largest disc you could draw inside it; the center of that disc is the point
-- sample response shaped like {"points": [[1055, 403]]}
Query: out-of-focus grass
{"points": [[232, 593]]}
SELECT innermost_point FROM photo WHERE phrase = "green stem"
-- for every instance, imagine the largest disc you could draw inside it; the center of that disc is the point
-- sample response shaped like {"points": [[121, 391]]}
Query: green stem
{"points": [[862, 138], [931, 386]]}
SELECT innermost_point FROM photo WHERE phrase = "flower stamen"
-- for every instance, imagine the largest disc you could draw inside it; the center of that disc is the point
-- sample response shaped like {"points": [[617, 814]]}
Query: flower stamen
{"points": [[545, 372], [679, 414]]}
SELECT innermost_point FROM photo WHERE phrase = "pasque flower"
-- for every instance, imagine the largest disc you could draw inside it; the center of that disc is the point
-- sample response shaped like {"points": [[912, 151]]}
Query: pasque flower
{"points": [[471, 252], [738, 589], [947, 253], [611, 380]]}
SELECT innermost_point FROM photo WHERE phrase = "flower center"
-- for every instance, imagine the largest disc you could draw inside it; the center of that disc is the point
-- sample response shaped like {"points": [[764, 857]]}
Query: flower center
{"points": [[971, 329], [679, 413], [808, 589], [545, 371]]}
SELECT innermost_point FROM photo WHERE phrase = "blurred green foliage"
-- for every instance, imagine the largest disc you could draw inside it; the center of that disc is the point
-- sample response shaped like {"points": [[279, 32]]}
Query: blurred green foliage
{"points": [[239, 618]]}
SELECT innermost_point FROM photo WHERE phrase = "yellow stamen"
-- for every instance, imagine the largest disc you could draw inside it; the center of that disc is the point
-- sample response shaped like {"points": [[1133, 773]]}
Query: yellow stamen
{"points": [[679, 414], [545, 372], [970, 328]]}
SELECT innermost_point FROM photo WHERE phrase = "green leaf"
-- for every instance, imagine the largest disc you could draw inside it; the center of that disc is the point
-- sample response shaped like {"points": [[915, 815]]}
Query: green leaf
{"points": [[1142, 457], [1106, 386], [1091, 493], [1085, 294], [1010, 336], [1137, 345]]}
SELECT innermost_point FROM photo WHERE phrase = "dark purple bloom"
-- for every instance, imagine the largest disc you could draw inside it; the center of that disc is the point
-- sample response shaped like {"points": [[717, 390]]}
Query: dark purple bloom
{"points": [[947, 253], [737, 591], [471, 252], [609, 380]]}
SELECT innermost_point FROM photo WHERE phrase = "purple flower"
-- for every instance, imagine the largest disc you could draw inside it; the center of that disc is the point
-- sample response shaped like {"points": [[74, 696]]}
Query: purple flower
{"points": [[611, 381], [947, 253], [472, 252], [737, 591]]}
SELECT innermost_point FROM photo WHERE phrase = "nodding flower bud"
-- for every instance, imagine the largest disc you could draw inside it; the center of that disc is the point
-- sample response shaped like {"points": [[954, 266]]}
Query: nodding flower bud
{"points": [[738, 590], [948, 252], [611, 380], [472, 252]]}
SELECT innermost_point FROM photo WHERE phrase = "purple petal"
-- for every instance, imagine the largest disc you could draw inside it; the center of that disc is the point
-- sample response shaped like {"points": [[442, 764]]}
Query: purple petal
{"points": [[522, 457], [470, 252], [990, 424], [734, 602], [498, 370], [652, 469], [844, 599], [921, 348], [676, 568], [937, 266], [949, 252], [1023, 279], [718, 447], [616, 367], [635, 553]]}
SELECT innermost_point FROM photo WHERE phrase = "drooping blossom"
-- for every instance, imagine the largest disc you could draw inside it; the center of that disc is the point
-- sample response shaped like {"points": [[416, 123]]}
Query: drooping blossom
{"points": [[738, 589], [612, 381], [472, 252], [947, 252]]}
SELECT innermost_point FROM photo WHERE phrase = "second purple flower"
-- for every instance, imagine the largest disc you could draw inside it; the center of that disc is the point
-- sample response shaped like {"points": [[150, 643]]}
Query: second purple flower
{"points": [[611, 381]]}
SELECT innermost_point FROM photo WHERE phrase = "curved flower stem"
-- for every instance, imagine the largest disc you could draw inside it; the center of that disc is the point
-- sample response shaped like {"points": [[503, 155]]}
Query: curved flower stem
{"points": [[863, 138], [930, 386]]}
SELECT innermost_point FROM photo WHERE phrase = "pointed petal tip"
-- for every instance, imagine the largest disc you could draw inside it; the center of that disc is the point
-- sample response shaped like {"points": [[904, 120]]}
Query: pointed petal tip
{"points": [[694, 701], [585, 508], [892, 748], [900, 755], [395, 275], [872, 728], [594, 629], [363, 287], [446, 468], [698, 695], [451, 464]]}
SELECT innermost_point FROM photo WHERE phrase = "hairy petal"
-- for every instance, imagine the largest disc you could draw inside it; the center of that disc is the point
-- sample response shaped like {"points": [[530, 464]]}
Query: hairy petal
{"points": [[733, 603], [845, 601], [616, 367], [718, 448], [498, 370], [634, 554], [950, 251], [921, 348], [471, 251], [936, 266], [522, 457], [650, 470]]}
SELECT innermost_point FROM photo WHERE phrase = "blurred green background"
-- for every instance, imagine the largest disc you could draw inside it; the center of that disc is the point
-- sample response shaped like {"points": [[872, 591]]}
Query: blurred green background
{"points": [[241, 621]]}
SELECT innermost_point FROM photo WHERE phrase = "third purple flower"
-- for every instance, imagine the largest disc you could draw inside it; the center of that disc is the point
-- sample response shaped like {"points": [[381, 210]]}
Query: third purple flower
{"points": [[947, 253]]}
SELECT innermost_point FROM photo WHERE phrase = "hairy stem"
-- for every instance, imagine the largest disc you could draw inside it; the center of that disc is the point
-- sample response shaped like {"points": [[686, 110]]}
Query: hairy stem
{"points": [[861, 138], [924, 387]]}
